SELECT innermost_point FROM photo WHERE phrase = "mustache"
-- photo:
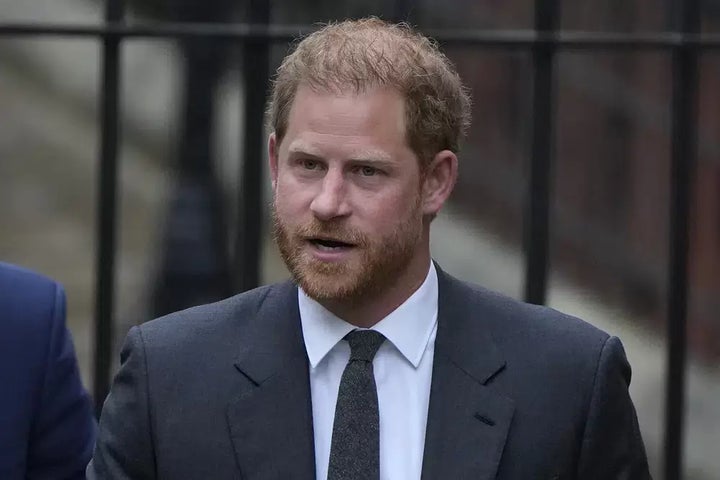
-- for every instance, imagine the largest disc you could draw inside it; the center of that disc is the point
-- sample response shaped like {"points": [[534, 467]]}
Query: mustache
{"points": [[331, 230]]}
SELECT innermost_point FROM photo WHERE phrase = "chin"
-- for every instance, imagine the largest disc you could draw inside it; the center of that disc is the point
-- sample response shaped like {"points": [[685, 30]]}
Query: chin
{"points": [[329, 285]]}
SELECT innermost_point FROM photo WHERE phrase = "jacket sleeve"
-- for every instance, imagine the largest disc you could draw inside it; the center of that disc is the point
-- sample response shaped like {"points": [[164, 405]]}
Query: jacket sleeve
{"points": [[124, 449], [612, 447], [63, 429]]}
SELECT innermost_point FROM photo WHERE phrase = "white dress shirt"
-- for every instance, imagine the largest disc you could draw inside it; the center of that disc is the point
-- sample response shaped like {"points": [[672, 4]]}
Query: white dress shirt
{"points": [[403, 370]]}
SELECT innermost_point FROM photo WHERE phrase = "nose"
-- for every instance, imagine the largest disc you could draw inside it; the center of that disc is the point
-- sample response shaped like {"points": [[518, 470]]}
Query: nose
{"points": [[331, 200]]}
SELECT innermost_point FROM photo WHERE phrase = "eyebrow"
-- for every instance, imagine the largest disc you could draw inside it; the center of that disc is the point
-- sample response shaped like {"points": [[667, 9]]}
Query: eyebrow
{"points": [[361, 156], [372, 156], [301, 148]]}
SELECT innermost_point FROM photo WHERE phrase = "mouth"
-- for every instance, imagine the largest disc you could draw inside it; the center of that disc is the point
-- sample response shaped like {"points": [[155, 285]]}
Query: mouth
{"points": [[329, 244]]}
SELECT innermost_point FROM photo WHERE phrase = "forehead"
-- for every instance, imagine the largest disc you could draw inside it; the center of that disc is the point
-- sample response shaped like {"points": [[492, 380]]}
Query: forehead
{"points": [[371, 119]]}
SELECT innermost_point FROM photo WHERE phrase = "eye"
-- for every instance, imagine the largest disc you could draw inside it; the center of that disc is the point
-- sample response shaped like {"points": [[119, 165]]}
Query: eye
{"points": [[367, 171], [310, 164]]}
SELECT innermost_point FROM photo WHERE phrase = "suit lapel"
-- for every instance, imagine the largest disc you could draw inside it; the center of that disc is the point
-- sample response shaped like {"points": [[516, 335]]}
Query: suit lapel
{"points": [[468, 422], [270, 418]]}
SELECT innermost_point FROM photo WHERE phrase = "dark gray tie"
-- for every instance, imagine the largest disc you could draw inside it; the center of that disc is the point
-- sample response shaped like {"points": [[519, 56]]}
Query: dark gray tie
{"points": [[355, 448]]}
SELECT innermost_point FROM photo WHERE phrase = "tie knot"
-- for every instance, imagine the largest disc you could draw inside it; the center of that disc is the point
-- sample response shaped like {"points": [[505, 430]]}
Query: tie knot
{"points": [[364, 344]]}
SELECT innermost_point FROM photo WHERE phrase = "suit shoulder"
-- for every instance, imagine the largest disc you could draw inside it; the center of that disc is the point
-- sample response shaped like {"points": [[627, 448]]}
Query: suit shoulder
{"points": [[537, 328], [209, 319], [29, 300], [23, 285], [200, 339], [535, 342]]}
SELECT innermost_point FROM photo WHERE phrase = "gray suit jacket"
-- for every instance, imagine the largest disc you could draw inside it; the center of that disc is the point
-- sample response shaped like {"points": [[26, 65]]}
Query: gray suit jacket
{"points": [[222, 391]]}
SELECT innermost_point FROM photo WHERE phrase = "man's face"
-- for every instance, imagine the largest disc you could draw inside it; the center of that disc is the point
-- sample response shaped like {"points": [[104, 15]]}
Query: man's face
{"points": [[347, 193]]}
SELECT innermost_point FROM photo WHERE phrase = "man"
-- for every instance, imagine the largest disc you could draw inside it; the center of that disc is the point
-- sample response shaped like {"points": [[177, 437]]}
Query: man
{"points": [[47, 428], [372, 363]]}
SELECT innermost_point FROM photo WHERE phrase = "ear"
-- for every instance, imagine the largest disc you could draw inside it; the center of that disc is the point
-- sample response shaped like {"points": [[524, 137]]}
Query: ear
{"points": [[273, 152], [439, 181]]}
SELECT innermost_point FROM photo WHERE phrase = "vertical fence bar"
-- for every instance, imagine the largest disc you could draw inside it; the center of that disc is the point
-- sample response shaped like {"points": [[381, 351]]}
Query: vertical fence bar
{"points": [[248, 249], [107, 206], [537, 207], [684, 153]]}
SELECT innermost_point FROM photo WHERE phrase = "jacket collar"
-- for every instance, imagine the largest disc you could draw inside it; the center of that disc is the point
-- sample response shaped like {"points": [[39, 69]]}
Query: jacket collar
{"points": [[270, 417], [468, 422]]}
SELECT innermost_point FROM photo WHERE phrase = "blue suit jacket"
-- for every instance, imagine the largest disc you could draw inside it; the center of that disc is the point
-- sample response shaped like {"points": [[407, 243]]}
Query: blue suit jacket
{"points": [[47, 428]]}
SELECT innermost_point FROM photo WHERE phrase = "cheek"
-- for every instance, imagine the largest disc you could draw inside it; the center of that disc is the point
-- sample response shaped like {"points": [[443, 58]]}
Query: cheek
{"points": [[290, 197], [383, 214]]}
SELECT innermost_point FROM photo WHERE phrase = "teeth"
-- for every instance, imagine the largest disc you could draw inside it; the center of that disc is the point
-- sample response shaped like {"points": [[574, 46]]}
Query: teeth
{"points": [[325, 248]]}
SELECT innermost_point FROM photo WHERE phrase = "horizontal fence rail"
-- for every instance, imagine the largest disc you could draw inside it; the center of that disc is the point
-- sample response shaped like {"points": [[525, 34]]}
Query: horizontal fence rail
{"points": [[285, 33]]}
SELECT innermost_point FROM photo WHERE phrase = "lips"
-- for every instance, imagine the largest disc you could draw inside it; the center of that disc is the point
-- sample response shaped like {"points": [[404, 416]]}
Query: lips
{"points": [[329, 244]]}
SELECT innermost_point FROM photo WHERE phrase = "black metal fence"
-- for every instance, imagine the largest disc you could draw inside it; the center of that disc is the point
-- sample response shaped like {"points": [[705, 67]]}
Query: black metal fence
{"points": [[685, 44]]}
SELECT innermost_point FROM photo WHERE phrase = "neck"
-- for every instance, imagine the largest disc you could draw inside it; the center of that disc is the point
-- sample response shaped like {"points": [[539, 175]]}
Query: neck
{"points": [[366, 312]]}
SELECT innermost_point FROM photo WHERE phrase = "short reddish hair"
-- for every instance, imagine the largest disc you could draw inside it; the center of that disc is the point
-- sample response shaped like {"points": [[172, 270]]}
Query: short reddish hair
{"points": [[357, 55]]}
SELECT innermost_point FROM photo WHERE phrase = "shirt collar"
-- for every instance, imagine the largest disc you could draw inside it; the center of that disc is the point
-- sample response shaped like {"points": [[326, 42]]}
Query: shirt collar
{"points": [[408, 327]]}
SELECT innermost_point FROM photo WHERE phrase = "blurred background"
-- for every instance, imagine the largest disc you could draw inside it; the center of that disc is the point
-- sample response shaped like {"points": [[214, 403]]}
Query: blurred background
{"points": [[182, 149]]}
